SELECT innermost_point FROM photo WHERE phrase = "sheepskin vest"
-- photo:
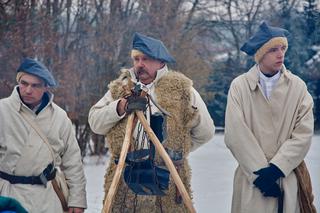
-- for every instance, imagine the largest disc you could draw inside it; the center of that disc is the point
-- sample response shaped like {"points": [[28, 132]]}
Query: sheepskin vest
{"points": [[173, 92]]}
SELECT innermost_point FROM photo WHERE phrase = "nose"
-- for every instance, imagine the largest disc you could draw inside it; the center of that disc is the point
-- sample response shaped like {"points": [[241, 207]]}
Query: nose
{"points": [[281, 53], [28, 89], [140, 63]]}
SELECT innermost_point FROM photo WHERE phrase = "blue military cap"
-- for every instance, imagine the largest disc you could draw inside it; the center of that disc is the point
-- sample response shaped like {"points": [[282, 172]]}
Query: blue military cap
{"points": [[264, 34], [36, 68], [152, 47]]}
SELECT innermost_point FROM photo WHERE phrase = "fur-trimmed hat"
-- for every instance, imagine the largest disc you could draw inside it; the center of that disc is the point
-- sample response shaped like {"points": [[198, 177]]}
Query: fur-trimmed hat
{"points": [[265, 38], [151, 47], [34, 67]]}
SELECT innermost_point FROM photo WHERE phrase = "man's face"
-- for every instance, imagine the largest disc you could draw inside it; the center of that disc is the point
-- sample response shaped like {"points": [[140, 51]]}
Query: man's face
{"points": [[146, 68], [272, 61], [31, 89]]}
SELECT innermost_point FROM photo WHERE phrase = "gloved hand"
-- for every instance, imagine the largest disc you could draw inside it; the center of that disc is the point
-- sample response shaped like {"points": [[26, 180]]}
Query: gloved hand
{"points": [[273, 191], [267, 187], [138, 103], [266, 182], [271, 172]]}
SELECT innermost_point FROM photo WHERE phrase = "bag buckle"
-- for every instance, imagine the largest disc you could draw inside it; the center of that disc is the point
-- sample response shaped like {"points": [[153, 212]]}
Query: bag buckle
{"points": [[43, 179]]}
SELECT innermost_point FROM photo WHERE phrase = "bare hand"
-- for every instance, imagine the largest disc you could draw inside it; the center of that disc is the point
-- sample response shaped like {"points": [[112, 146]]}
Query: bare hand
{"points": [[121, 106], [75, 210]]}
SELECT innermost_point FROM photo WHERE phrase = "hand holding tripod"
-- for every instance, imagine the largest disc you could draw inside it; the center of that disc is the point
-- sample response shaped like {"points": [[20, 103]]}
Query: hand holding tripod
{"points": [[131, 123]]}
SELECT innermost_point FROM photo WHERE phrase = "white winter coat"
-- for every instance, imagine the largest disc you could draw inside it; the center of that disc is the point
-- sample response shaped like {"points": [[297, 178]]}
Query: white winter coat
{"points": [[23, 153]]}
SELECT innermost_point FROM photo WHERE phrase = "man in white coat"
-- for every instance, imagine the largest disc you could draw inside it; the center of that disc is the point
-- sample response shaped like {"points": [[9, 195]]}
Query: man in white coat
{"points": [[188, 126], [269, 126], [26, 161]]}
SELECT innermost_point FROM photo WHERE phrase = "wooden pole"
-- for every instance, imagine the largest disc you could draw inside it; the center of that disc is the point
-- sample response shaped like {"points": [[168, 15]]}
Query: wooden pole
{"points": [[168, 162], [115, 181]]}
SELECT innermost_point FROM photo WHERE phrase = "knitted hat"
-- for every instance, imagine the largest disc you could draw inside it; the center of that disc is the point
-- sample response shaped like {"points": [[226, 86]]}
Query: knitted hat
{"points": [[36, 68], [265, 38], [151, 47]]}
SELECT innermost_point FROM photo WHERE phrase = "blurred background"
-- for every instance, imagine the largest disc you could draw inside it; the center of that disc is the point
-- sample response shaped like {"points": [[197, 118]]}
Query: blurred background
{"points": [[85, 43]]}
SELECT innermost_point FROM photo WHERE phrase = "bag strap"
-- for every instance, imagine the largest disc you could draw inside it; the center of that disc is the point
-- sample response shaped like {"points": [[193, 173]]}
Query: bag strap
{"points": [[305, 194], [59, 192], [45, 140], [40, 133]]}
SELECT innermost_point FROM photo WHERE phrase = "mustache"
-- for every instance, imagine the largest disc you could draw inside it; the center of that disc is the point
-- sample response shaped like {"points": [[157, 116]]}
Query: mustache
{"points": [[140, 71]]}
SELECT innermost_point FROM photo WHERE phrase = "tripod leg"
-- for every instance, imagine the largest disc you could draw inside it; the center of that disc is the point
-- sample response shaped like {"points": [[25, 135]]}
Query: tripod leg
{"points": [[167, 160], [115, 181]]}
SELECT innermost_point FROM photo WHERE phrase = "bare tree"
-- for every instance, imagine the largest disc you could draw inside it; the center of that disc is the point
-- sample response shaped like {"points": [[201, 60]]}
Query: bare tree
{"points": [[86, 42]]}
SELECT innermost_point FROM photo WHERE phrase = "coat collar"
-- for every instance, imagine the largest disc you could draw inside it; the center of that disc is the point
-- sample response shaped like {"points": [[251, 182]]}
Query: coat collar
{"points": [[17, 103], [253, 76]]}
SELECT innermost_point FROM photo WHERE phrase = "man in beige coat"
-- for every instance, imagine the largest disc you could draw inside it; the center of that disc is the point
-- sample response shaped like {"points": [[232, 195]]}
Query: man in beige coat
{"points": [[26, 161], [188, 126], [269, 126]]}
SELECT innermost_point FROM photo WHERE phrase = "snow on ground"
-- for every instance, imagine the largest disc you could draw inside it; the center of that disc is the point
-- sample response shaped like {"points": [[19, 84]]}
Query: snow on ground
{"points": [[212, 176]]}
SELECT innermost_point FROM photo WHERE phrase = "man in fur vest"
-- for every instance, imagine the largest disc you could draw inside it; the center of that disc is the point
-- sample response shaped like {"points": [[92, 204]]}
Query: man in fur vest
{"points": [[188, 126], [269, 126]]}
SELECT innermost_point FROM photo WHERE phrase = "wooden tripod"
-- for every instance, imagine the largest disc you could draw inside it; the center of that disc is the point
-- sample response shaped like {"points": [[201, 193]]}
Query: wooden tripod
{"points": [[126, 143]]}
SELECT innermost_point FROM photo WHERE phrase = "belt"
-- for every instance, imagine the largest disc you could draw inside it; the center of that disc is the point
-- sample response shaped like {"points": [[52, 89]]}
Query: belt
{"points": [[46, 175]]}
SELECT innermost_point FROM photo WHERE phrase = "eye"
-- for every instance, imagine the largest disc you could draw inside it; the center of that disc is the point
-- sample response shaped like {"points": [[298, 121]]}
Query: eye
{"points": [[273, 50], [23, 83], [37, 86], [144, 58]]}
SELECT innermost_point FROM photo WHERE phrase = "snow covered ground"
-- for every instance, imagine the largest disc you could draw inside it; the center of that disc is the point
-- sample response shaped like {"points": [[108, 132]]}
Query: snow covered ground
{"points": [[212, 176]]}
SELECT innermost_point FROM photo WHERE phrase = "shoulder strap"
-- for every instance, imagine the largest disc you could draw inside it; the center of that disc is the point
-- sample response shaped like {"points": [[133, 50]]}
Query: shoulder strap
{"points": [[40, 133], [54, 182]]}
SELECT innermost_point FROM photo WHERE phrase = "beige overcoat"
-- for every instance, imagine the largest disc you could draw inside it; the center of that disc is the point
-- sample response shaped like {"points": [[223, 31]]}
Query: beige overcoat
{"points": [[259, 131], [23, 153]]}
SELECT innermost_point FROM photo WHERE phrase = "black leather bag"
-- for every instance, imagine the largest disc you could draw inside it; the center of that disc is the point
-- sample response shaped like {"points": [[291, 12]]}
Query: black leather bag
{"points": [[145, 178]]}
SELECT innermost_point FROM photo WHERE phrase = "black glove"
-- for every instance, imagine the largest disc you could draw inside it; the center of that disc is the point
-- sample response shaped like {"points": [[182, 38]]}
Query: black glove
{"points": [[266, 181], [136, 103], [273, 191], [271, 172], [267, 188]]}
